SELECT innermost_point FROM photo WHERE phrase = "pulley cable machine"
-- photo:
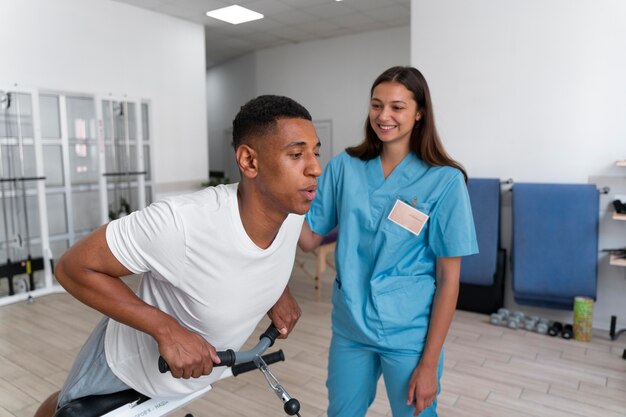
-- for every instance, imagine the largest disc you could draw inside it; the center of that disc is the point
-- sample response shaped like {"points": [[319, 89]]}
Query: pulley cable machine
{"points": [[17, 236], [122, 174]]}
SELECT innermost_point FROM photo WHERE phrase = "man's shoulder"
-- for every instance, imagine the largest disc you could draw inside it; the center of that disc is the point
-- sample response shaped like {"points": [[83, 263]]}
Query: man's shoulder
{"points": [[209, 198]]}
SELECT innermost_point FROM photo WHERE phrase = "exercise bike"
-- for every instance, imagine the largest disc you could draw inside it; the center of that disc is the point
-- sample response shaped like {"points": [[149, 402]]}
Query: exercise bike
{"points": [[130, 403]]}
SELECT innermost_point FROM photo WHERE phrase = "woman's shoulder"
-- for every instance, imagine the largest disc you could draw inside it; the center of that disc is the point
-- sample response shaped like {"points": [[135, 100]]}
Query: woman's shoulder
{"points": [[447, 172], [343, 159]]}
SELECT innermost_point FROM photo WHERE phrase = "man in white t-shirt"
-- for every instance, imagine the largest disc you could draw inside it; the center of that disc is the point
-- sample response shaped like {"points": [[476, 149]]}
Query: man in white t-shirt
{"points": [[214, 263]]}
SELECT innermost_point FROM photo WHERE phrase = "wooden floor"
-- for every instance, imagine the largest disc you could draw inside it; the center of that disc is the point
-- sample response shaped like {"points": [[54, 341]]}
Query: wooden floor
{"points": [[489, 371]]}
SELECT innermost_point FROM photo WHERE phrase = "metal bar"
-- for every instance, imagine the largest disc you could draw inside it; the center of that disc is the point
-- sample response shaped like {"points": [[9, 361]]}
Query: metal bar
{"points": [[21, 150], [127, 146], [6, 99], [120, 174], [22, 179]]}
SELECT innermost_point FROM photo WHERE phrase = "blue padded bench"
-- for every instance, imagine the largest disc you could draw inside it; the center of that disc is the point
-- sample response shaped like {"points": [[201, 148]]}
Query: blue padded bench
{"points": [[482, 274], [554, 253]]}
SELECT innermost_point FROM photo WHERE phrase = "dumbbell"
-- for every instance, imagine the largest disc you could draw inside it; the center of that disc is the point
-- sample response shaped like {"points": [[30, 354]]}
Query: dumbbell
{"points": [[500, 318], [497, 319], [568, 332], [555, 328], [530, 323], [519, 315], [514, 321], [542, 326]]}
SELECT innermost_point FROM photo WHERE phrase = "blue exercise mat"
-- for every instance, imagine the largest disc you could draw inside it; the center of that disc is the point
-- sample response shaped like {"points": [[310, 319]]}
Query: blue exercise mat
{"points": [[480, 269], [554, 253]]}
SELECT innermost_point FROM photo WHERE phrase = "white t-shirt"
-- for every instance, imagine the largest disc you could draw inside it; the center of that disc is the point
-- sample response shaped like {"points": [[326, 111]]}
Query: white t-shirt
{"points": [[199, 266]]}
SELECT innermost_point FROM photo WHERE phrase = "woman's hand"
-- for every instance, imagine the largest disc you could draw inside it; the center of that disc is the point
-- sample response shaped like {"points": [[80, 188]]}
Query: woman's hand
{"points": [[423, 388]]}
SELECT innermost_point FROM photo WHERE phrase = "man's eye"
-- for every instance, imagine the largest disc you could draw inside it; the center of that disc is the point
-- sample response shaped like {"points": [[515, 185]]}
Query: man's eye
{"points": [[296, 155]]}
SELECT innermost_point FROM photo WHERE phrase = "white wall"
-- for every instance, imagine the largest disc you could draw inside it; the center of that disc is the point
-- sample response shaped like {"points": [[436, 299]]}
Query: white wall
{"points": [[330, 77], [101, 47], [533, 91], [229, 86], [537, 86]]}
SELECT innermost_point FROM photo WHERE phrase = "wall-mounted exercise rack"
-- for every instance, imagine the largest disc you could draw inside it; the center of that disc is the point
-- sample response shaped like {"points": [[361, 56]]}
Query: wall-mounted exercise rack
{"points": [[24, 249], [67, 160]]}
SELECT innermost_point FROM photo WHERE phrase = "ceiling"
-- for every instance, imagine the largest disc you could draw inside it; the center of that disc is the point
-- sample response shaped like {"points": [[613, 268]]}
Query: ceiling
{"points": [[285, 22]]}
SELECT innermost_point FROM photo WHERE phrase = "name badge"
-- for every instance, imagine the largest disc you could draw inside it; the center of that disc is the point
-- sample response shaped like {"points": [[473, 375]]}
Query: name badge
{"points": [[408, 217]]}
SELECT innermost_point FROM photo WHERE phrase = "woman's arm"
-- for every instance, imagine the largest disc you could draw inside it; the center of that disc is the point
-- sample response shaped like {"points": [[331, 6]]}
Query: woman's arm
{"points": [[309, 240], [423, 385]]}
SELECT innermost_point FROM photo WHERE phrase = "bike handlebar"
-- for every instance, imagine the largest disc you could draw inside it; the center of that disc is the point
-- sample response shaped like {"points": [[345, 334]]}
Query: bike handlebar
{"points": [[269, 359], [230, 357]]}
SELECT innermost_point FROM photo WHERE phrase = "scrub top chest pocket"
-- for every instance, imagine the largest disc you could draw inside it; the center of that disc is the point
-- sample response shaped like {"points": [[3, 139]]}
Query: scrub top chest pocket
{"points": [[406, 223], [408, 217]]}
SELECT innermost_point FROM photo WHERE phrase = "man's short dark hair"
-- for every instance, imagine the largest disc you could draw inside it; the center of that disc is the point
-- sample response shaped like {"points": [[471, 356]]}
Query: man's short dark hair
{"points": [[259, 115]]}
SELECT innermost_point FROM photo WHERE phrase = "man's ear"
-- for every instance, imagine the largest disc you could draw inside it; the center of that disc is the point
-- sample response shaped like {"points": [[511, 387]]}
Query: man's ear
{"points": [[247, 161]]}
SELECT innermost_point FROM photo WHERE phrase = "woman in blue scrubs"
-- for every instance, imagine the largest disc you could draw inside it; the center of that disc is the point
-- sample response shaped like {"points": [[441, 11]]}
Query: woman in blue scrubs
{"points": [[404, 218]]}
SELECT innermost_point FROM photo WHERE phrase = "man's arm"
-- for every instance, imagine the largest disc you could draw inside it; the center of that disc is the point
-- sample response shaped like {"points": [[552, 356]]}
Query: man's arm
{"points": [[90, 272], [285, 313]]}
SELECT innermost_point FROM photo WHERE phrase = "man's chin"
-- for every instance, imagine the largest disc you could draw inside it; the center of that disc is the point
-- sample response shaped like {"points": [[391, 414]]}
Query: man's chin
{"points": [[302, 209]]}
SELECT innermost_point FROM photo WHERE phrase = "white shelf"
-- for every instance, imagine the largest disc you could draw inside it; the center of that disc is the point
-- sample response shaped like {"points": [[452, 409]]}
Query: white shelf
{"points": [[614, 259], [618, 216], [617, 261]]}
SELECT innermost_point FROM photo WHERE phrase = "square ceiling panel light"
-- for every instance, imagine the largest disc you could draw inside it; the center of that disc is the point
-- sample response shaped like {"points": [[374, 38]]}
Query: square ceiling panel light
{"points": [[234, 14]]}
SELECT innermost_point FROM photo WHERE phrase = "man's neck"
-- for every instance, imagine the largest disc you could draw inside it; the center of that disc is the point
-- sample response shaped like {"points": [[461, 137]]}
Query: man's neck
{"points": [[260, 224]]}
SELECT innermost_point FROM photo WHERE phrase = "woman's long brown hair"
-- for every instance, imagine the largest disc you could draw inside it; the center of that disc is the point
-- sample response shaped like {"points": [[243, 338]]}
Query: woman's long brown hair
{"points": [[424, 141]]}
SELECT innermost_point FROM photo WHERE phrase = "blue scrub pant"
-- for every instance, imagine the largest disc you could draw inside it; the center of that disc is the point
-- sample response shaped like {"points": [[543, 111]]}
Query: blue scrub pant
{"points": [[353, 373]]}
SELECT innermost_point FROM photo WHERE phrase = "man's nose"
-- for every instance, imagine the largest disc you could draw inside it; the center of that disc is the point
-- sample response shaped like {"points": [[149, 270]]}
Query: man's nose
{"points": [[313, 167]]}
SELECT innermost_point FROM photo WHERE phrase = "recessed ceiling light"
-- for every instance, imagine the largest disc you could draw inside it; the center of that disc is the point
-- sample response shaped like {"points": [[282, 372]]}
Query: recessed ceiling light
{"points": [[234, 14]]}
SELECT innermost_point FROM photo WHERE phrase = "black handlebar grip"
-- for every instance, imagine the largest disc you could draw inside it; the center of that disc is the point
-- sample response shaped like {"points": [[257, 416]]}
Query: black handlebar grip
{"points": [[227, 358], [163, 366], [269, 359], [271, 333]]}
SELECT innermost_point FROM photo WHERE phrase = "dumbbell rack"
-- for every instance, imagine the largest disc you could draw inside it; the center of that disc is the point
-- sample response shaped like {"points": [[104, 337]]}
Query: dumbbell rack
{"points": [[519, 320]]}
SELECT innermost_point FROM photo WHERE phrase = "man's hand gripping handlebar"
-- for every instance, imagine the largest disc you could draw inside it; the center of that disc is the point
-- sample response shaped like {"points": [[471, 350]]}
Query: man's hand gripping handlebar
{"points": [[244, 361]]}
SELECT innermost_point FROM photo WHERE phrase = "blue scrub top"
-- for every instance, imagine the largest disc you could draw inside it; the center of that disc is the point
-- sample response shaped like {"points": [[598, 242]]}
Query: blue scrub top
{"points": [[386, 274]]}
